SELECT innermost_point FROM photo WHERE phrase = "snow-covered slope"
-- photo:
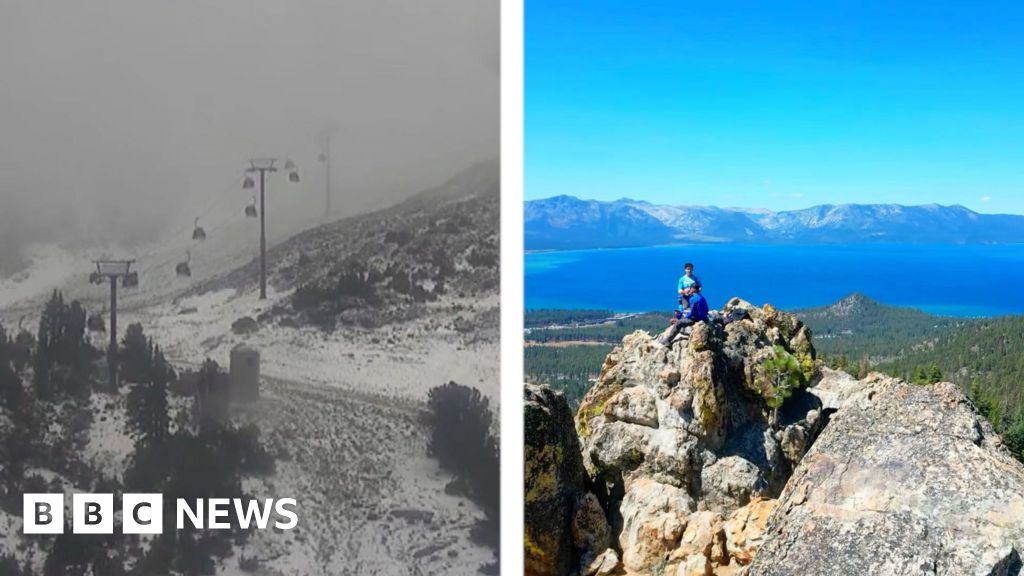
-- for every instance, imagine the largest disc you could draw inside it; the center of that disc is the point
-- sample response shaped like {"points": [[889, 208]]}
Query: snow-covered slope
{"points": [[341, 403], [555, 223]]}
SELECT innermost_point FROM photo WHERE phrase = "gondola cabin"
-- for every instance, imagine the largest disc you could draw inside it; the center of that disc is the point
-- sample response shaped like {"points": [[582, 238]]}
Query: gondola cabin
{"points": [[198, 233], [183, 269], [96, 323]]}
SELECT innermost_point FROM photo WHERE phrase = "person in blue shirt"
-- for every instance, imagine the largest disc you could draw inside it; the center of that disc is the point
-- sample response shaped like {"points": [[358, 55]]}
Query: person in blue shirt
{"points": [[697, 312], [687, 281]]}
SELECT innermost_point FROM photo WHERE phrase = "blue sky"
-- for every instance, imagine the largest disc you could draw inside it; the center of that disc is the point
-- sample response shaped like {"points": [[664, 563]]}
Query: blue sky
{"points": [[779, 105]]}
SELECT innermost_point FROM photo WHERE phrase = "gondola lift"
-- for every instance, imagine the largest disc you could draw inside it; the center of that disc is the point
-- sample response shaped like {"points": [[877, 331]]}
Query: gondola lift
{"points": [[198, 233], [96, 323], [250, 210], [183, 269], [131, 280], [248, 183]]}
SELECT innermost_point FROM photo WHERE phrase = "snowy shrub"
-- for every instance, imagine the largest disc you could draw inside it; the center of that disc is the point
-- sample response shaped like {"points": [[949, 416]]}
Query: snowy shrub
{"points": [[460, 422]]}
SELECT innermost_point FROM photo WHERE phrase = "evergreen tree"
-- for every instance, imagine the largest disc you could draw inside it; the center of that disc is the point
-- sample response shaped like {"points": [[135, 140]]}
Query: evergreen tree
{"points": [[460, 422], [780, 376], [136, 355], [986, 405], [21, 350], [11, 392], [63, 358], [1014, 438], [50, 331], [919, 377], [148, 415], [934, 373]]}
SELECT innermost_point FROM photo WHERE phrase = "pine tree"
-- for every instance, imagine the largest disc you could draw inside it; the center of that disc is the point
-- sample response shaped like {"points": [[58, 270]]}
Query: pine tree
{"points": [[459, 419], [50, 331], [983, 402], [10, 382], [136, 355], [920, 377], [1014, 438], [780, 376], [63, 359], [147, 401], [75, 347]]}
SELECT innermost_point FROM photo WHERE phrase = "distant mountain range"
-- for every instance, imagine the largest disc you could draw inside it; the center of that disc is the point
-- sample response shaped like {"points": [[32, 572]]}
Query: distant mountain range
{"points": [[567, 222]]}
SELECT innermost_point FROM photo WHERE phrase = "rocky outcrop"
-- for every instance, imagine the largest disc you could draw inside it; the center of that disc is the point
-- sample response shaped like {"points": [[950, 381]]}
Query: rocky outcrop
{"points": [[745, 529], [566, 526], [733, 452], [905, 479], [681, 435], [730, 483], [654, 517]]}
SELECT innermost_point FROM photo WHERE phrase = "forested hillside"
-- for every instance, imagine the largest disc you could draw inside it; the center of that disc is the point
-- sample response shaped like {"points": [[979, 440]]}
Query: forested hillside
{"points": [[569, 348], [985, 355], [862, 328], [566, 368]]}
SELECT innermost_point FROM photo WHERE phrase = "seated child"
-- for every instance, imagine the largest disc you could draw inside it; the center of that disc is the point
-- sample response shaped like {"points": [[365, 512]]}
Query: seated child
{"points": [[698, 312], [687, 282]]}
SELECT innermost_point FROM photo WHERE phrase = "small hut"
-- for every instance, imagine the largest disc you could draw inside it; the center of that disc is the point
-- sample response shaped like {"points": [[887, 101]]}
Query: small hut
{"points": [[245, 373]]}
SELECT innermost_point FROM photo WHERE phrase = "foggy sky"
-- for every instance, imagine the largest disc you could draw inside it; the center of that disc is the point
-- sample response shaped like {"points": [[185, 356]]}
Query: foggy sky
{"points": [[121, 119]]}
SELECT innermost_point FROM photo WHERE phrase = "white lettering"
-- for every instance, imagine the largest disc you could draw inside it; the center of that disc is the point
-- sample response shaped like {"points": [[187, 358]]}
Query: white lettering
{"points": [[219, 508], [282, 511], [196, 517]]}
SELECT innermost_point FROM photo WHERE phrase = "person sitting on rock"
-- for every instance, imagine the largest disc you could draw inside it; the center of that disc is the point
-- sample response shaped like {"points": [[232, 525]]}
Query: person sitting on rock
{"points": [[697, 312], [687, 281]]}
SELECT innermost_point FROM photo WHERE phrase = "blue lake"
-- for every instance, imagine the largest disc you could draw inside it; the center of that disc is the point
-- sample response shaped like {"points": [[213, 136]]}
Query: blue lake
{"points": [[953, 280]]}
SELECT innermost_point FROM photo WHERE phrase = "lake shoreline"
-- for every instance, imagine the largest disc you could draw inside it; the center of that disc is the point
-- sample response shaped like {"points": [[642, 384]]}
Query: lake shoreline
{"points": [[929, 278]]}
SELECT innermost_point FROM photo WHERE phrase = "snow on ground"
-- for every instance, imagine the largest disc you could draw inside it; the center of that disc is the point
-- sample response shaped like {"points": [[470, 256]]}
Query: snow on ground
{"points": [[13, 543], [343, 409], [49, 266], [370, 501], [402, 361], [109, 444], [54, 268], [10, 533], [340, 409]]}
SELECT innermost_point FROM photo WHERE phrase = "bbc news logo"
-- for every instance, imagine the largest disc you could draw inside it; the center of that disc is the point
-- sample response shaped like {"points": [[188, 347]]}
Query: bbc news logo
{"points": [[143, 513]]}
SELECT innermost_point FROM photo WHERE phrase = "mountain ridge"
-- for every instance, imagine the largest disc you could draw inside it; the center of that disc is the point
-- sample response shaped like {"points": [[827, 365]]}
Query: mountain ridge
{"points": [[568, 222]]}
